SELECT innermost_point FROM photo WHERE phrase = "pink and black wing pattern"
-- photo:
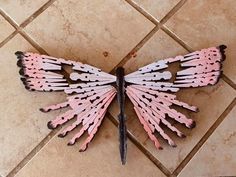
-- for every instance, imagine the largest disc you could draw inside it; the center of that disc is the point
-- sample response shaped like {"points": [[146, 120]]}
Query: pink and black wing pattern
{"points": [[149, 89], [88, 88], [151, 86]]}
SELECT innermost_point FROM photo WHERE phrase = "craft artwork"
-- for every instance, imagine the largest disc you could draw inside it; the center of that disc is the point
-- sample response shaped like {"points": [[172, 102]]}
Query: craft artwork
{"points": [[90, 91]]}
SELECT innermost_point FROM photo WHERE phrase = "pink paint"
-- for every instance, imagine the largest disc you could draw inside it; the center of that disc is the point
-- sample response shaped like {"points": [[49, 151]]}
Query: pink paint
{"points": [[147, 89]]}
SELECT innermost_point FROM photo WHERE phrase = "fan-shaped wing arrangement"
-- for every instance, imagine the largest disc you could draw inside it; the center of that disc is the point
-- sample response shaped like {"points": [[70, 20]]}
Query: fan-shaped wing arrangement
{"points": [[150, 86], [89, 86]]}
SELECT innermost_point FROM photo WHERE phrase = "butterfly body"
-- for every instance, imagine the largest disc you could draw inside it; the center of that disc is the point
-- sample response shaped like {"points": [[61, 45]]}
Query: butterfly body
{"points": [[120, 82], [150, 89]]}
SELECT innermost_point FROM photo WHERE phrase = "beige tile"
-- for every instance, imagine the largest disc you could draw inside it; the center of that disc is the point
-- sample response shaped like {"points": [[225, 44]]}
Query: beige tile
{"points": [[217, 156], [20, 10], [215, 26], [98, 32], [160, 46], [100, 159], [211, 101], [157, 8], [22, 126], [6, 29]]}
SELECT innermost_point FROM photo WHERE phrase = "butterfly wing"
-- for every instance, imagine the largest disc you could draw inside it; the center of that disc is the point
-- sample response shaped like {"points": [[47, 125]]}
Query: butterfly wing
{"points": [[150, 86], [88, 89]]}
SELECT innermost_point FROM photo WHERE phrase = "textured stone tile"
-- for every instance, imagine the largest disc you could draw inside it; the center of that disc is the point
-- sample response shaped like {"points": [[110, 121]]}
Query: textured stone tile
{"points": [[160, 46], [22, 126], [20, 10], [157, 8], [100, 159], [6, 29], [217, 156], [211, 101], [208, 23], [98, 32]]}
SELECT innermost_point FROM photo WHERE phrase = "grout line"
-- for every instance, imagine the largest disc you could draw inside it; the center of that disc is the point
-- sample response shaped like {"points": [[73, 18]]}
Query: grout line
{"points": [[143, 12], [123, 61], [33, 42], [173, 11], [163, 20], [49, 137], [135, 49], [176, 38], [218, 121], [37, 13], [204, 138], [141, 147], [30, 18], [30, 156], [228, 81], [33, 153], [8, 38], [190, 49], [12, 23], [19, 28], [153, 31], [9, 19], [22, 32]]}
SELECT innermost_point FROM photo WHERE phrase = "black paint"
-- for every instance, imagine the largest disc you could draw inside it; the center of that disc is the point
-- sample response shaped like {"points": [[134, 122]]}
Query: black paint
{"points": [[120, 82]]}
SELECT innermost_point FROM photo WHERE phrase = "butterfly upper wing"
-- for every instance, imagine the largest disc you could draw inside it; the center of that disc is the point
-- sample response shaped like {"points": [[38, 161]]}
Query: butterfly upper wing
{"points": [[45, 73], [150, 84], [88, 87]]}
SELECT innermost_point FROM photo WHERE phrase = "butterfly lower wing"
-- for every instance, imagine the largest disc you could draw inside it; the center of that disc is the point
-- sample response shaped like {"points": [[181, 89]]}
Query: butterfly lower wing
{"points": [[150, 83], [88, 87], [87, 109]]}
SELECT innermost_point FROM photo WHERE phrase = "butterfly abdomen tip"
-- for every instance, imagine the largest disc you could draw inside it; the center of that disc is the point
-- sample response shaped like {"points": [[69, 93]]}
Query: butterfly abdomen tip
{"points": [[123, 161]]}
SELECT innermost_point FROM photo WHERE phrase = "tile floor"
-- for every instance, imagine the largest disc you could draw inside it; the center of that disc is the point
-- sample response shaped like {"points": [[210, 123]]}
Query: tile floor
{"points": [[107, 34]]}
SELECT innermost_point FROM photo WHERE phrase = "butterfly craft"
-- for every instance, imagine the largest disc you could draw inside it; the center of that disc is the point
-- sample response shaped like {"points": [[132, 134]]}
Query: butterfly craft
{"points": [[90, 91]]}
